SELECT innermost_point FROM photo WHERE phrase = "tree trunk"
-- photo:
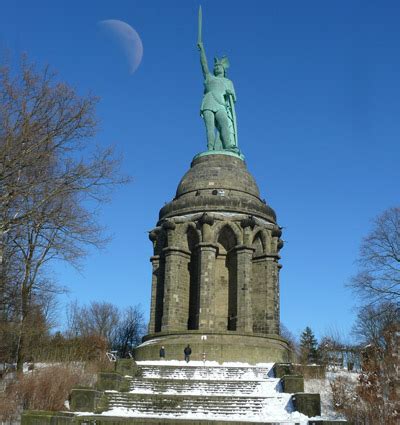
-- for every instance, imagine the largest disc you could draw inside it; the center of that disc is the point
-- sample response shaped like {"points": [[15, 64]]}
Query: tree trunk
{"points": [[21, 343]]}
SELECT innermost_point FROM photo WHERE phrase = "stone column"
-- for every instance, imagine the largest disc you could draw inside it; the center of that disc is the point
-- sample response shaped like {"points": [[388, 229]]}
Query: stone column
{"points": [[207, 254], [272, 294], [155, 262], [244, 279], [276, 325], [260, 286], [176, 289], [274, 267]]}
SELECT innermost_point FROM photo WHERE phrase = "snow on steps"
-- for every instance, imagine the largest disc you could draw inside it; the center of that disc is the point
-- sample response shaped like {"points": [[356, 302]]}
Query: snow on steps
{"points": [[204, 391], [180, 405], [205, 372], [180, 386]]}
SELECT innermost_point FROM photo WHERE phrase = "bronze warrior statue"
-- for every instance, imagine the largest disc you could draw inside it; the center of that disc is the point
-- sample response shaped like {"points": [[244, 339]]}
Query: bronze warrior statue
{"points": [[218, 105]]}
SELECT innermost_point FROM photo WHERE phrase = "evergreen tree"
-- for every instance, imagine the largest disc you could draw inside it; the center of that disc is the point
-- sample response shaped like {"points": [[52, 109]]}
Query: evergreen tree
{"points": [[308, 347]]}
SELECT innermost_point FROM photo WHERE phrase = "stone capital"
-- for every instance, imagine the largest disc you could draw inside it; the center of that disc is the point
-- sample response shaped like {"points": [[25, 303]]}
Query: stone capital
{"points": [[175, 250], [206, 219], [250, 221], [168, 225], [207, 245], [154, 258], [261, 257], [244, 248], [153, 234]]}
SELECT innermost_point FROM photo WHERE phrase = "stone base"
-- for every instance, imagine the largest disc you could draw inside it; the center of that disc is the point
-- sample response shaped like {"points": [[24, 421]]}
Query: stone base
{"points": [[220, 347], [52, 418], [220, 152], [292, 384]]}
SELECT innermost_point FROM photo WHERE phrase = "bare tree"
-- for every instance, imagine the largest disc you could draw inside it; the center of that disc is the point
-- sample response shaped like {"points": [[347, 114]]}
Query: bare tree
{"points": [[291, 340], [130, 330], [372, 323], [51, 180], [123, 330], [98, 319], [374, 399], [378, 278]]}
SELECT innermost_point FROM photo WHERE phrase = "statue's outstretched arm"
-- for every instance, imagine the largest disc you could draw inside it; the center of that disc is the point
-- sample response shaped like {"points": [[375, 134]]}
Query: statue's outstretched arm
{"points": [[203, 59]]}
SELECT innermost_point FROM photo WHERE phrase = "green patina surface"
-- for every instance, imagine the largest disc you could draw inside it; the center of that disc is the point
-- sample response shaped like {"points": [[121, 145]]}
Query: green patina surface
{"points": [[218, 104], [221, 152]]}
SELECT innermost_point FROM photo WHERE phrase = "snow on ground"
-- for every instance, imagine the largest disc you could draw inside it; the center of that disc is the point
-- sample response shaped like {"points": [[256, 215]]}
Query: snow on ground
{"points": [[269, 415], [197, 363], [276, 408], [323, 387]]}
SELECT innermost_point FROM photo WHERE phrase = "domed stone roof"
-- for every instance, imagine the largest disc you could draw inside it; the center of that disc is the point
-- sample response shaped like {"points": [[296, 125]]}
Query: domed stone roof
{"points": [[221, 183], [218, 171]]}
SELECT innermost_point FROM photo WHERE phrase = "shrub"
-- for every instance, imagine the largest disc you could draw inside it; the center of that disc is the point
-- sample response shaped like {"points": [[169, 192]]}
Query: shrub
{"points": [[41, 389]]}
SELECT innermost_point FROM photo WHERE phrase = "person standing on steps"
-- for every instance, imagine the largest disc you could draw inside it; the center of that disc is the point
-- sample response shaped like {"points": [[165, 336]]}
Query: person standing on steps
{"points": [[162, 353], [187, 351]]}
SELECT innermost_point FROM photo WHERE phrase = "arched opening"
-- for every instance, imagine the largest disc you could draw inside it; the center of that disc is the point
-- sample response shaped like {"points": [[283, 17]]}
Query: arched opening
{"points": [[226, 280], [194, 288], [258, 245], [259, 283]]}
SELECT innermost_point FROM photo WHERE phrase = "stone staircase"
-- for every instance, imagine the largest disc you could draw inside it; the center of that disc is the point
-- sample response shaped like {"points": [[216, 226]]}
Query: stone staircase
{"points": [[175, 386], [198, 371], [182, 391], [179, 406], [174, 392]]}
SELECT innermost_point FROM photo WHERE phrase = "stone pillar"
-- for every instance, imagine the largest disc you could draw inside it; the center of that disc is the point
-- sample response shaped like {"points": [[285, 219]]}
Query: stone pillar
{"points": [[274, 267], [260, 279], [277, 317], [207, 254], [244, 279], [155, 261], [176, 289], [273, 294]]}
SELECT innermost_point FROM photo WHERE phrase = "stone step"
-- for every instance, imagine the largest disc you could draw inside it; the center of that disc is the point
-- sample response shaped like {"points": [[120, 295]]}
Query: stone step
{"points": [[204, 372], [230, 387], [37, 417], [178, 405]]}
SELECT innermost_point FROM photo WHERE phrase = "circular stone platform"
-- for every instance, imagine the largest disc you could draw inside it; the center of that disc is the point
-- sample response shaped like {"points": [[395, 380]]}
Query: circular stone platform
{"points": [[220, 347]]}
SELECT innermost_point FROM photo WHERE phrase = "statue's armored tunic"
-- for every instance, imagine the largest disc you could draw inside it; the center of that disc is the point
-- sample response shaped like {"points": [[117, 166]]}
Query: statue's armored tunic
{"points": [[215, 90]]}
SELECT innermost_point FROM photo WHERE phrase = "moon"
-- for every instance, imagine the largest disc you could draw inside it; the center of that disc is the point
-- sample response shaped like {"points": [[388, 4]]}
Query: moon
{"points": [[128, 39]]}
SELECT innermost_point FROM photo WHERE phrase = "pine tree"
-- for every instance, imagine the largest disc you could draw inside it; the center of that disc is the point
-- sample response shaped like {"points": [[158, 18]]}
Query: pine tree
{"points": [[308, 347]]}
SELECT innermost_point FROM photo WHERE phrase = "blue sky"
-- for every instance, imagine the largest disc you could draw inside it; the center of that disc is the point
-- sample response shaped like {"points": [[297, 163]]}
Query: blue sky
{"points": [[318, 103]]}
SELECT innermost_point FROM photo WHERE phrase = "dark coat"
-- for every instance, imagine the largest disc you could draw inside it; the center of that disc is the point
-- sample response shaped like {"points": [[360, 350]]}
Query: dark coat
{"points": [[187, 351]]}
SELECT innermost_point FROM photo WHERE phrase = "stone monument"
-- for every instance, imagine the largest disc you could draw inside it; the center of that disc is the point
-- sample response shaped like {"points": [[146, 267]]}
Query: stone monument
{"points": [[215, 277], [215, 287]]}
